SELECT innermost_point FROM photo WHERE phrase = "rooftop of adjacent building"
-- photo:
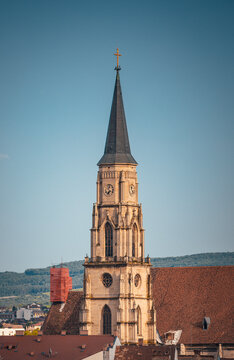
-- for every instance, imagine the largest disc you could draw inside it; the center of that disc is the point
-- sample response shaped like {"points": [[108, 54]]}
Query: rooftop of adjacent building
{"points": [[197, 300], [11, 326], [64, 316], [136, 351], [61, 347]]}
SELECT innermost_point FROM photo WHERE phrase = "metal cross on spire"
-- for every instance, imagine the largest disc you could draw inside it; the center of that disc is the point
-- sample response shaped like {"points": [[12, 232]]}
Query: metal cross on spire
{"points": [[117, 55]]}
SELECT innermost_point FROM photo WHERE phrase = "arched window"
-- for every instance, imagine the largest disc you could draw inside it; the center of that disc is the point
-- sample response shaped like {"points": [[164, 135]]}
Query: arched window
{"points": [[134, 240], [106, 319], [108, 240], [138, 321]]}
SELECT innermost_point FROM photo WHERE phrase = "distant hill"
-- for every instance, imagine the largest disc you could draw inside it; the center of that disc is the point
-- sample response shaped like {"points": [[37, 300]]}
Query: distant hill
{"points": [[34, 284], [205, 259]]}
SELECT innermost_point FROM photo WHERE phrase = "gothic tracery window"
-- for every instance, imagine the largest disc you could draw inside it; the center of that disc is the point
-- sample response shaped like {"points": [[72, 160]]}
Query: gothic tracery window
{"points": [[108, 240], [106, 317], [107, 279]]}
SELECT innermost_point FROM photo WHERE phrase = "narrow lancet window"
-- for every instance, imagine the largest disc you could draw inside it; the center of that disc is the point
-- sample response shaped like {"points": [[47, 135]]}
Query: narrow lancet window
{"points": [[138, 321], [106, 320], [134, 240], [108, 240]]}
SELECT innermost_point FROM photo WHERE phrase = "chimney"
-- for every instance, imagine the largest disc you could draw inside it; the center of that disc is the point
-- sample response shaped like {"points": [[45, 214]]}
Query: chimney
{"points": [[60, 284]]}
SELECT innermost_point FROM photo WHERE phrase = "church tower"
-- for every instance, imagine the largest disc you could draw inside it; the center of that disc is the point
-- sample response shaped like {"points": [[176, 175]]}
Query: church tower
{"points": [[117, 283]]}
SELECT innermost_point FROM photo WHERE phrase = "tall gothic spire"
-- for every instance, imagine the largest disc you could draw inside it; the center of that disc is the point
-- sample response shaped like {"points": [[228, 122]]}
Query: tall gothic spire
{"points": [[117, 148]]}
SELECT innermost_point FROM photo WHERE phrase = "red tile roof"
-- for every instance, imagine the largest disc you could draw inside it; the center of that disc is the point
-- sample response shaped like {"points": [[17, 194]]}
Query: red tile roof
{"points": [[64, 316], [184, 296], [134, 352], [63, 347]]}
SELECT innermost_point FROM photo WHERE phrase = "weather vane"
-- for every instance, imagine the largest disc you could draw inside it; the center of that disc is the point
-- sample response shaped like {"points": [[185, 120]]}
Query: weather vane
{"points": [[117, 55]]}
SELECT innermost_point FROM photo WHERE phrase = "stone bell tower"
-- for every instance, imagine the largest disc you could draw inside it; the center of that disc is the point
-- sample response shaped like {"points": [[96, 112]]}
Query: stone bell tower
{"points": [[117, 284]]}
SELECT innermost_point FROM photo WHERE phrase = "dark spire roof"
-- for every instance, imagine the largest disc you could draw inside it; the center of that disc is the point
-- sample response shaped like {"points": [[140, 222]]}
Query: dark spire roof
{"points": [[117, 148]]}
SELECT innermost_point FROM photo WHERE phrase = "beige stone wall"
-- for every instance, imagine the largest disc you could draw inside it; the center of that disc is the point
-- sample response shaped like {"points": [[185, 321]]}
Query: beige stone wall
{"points": [[123, 299], [131, 306], [120, 177], [120, 208], [122, 233]]}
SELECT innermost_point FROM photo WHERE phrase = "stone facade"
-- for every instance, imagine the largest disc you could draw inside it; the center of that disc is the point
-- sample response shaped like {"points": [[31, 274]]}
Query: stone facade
{"points": [[129, 296]]}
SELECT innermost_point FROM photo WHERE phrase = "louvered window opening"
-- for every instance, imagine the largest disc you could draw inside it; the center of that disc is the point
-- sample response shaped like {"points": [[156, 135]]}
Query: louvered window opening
{"points": [[108, 240]]}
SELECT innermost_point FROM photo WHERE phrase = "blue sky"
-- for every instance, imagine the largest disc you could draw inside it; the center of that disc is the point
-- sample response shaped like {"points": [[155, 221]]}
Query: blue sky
{"points": [[56, 87]]}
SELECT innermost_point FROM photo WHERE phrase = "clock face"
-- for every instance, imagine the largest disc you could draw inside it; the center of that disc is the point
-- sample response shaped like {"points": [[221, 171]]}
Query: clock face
{"points": [[132, 189], [108, 189]]}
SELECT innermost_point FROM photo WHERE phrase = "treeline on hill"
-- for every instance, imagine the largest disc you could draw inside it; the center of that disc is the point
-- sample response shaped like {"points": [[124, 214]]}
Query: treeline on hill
{"points": [[35, 282], [206, 259]]}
